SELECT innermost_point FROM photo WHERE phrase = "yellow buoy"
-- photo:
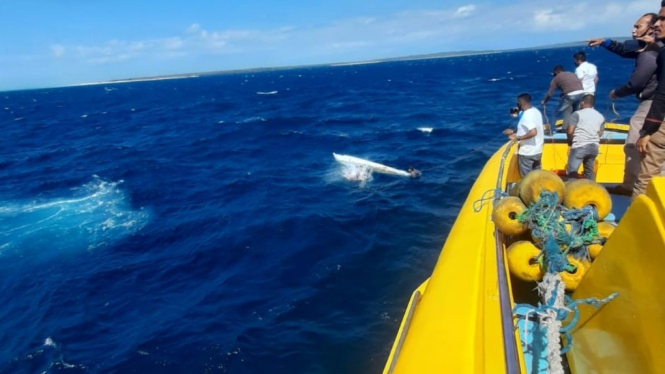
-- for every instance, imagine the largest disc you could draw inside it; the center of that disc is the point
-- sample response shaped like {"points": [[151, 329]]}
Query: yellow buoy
{"points": [[537, 181], [505, 214], [510, 240], [573, 279], [515, 191], [605, 229], [523, 261], [586, 263], [584, 192]]}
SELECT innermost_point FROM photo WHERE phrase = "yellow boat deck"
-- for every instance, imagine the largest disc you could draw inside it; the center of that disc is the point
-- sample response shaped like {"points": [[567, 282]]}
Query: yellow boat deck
{"points": [[460, 320]]}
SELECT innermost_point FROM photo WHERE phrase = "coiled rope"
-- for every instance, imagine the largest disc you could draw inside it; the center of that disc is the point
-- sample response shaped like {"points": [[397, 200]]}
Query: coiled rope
{"points": [[548, 220]]}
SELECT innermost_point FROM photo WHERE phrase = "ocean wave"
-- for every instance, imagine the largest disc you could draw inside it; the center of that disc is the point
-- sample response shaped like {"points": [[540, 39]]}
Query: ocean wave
{"points": [[252, 120], [96, 215], [267, 93]]}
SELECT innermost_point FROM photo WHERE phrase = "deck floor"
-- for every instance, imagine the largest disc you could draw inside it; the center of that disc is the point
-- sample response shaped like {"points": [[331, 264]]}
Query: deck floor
{"points": [[620, 204]]}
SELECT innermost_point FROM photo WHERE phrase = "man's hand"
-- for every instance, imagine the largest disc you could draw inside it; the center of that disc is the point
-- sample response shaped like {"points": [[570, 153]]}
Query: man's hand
{"points": [[613, 95], [542, 103], [642, 144], [595, 42], [512, 137], [647, 39], [508, 132]]}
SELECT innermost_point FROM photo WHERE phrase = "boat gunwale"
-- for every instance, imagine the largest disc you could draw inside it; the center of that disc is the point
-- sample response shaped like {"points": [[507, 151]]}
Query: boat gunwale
{"points": [[505, 299]]}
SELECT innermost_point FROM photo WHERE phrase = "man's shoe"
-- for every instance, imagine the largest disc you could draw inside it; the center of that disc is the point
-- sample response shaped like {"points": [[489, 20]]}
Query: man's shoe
{"points": [[619, 190]]}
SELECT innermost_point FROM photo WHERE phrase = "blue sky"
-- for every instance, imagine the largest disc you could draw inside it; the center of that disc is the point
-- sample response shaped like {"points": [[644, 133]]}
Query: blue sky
{"points": [[53, 43]]}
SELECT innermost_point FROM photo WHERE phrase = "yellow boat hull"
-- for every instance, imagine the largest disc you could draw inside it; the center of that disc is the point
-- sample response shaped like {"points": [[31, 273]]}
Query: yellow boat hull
{"points": [[460, 319]]}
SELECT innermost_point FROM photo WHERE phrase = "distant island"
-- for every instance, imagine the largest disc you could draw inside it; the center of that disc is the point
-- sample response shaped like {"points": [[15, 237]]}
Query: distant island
{"points": [[390, 59]]}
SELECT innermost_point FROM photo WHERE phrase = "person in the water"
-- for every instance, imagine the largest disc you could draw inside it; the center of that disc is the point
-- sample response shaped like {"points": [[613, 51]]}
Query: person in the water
{"points": [[413, 172]]}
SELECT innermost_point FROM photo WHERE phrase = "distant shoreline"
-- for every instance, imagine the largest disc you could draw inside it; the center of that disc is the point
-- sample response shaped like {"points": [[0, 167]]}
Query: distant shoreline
{"points": [[255, 70], [335, 64], [145, 79]]}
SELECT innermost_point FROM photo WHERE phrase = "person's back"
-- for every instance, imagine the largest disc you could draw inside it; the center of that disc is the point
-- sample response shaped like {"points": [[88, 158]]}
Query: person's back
{"points": [[587, 73], [568, 83], [588, 124], [586, 127]]}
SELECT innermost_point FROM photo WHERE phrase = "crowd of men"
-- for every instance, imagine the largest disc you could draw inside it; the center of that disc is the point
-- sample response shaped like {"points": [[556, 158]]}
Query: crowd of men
{"points": [[645, 143]]}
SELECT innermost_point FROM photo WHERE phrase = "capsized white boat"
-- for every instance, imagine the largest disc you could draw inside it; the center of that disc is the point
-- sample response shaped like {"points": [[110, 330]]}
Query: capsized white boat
{"points": [[379, 168]]}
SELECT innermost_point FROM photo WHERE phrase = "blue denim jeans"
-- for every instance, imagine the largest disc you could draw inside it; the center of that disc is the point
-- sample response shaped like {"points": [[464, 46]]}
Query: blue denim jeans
{"points": [[567, 105], [586, 155]]}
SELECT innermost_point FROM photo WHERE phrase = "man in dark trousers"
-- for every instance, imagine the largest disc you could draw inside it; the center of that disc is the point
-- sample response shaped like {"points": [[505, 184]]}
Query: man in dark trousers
{"points": [[571, 93], [642, 84], [652, 136], [584, 132]]}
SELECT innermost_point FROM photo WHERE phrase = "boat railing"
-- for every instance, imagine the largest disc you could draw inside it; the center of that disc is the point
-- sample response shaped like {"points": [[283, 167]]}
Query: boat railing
{"points": [[507, 324]]}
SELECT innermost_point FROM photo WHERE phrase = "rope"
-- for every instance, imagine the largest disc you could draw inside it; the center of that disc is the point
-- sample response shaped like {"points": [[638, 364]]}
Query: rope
{"points": [[550, 126], [480, 203], [552, 287], [548, 221], [458, 158], [614, 110]]}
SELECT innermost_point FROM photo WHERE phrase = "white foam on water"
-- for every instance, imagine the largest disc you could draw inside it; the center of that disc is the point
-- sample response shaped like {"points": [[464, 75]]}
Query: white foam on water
{"points": [[49, 342], [267, 93], [356, 173], [425, 129], [252, 119], [97, 214]]}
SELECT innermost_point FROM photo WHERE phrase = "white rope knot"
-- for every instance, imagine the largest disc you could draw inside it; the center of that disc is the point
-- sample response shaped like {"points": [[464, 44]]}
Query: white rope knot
{"points": [[553, 286]]}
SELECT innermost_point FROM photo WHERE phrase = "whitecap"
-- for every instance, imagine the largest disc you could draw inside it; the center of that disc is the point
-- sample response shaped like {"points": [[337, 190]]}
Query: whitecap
{"points": [[96, 215], [425, 129], [253, 119], [356, 173], [267, 93], [49, 342]]}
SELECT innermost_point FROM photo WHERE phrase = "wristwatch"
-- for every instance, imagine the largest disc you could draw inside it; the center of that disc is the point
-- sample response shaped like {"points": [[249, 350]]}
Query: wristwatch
{"points": [[519, 138]]}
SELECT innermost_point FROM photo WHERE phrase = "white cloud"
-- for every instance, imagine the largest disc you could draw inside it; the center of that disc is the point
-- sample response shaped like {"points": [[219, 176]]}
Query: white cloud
{"points": [[58, 50], [407, 32], [193, 28], [173, 43], [587, 14], [465, 11]]}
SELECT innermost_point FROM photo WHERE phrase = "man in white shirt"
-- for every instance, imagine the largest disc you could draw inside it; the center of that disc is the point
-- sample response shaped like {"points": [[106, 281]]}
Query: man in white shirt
{"points": [[584, 132], [529, 134], [586, 72]]}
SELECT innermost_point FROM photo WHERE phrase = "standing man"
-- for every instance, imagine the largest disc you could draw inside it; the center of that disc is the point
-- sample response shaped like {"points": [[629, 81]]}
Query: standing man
{"points": [[586, 72], [642, 84], [571, 93], [529, 135], [584, 132], [652, 135]]}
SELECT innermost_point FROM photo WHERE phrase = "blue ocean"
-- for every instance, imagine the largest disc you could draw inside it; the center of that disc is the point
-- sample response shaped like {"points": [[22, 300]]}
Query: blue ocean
{"points": [[202, 225]]}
